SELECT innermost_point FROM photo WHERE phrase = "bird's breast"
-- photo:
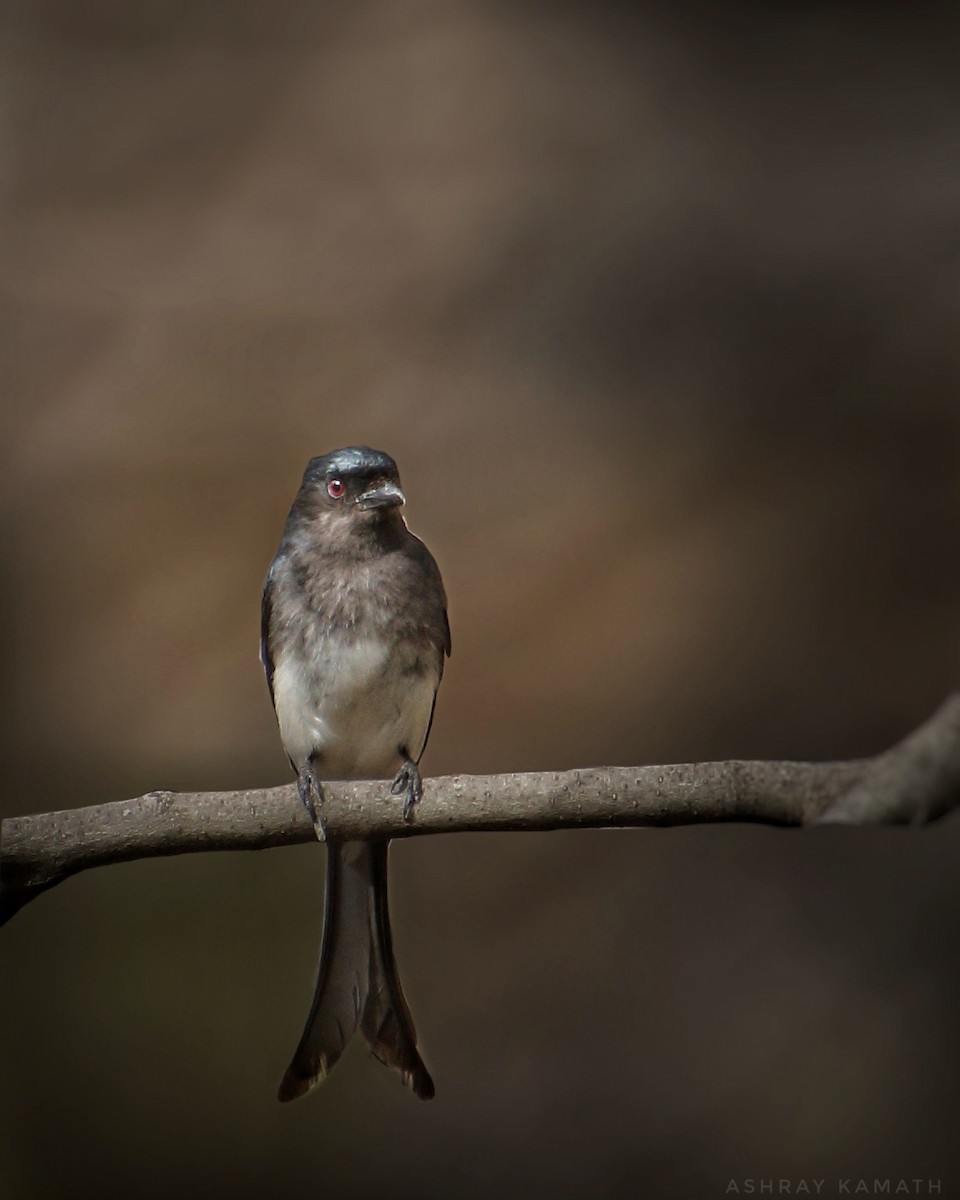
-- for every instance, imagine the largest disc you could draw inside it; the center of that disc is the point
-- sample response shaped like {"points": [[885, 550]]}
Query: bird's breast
{"points": [[352, 701]]}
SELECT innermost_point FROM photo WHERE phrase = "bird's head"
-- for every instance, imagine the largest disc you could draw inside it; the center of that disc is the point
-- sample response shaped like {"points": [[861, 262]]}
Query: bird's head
{"points": [[356, 484]]}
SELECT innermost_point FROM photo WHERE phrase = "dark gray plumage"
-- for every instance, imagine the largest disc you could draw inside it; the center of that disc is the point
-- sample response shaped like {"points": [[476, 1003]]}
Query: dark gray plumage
{"points": [[353, 637]]}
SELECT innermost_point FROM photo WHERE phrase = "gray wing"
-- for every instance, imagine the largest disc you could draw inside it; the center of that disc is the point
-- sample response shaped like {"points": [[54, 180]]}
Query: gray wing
{"points": [[438, 624], [266, 611]]}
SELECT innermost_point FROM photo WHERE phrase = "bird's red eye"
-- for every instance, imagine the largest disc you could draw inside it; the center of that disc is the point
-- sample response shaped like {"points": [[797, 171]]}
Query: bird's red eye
{"points": [[336, 488]]}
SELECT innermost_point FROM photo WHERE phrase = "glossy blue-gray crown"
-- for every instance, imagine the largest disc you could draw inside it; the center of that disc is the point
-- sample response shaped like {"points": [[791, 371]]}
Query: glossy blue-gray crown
{"points": [[351, 460]]}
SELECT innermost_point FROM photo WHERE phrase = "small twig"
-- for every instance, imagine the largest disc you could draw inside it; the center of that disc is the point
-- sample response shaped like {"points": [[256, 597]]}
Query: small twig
{"points": [[916, 781]]}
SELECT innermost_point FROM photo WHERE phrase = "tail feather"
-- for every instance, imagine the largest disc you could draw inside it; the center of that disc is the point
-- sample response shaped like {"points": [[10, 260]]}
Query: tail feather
{"points": [[357, 981], [386, 1023]]}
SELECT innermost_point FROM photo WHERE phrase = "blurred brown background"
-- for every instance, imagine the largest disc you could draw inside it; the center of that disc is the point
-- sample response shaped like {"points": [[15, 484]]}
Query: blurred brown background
{"points": [[657, 307]]}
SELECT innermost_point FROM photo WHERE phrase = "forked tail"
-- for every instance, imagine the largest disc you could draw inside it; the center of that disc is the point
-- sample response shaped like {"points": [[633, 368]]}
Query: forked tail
{"points": [[357, 982]]}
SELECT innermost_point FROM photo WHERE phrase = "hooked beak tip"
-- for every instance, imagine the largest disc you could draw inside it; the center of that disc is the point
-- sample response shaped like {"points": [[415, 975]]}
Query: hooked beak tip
{"points": [[388, 495]]}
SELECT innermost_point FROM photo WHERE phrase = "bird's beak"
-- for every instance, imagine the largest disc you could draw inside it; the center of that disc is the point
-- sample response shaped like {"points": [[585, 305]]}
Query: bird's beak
{"points": [[387, 495]]}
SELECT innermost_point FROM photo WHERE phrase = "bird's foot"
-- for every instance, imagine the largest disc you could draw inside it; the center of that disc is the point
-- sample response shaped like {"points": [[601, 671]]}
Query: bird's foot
{"points": [[408, 781], [310, 790]]}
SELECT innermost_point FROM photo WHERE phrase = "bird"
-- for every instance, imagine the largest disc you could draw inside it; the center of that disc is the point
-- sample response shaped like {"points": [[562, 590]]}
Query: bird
{"points": [[354, 634]]}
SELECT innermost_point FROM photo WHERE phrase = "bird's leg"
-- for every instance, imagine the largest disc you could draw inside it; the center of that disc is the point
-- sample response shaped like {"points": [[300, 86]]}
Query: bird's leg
{"points": [[310, 790], [408, 780]]}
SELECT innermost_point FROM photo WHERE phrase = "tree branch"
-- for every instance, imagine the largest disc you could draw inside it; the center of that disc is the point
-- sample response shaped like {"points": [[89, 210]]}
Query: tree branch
{"points": [[916, 781]]}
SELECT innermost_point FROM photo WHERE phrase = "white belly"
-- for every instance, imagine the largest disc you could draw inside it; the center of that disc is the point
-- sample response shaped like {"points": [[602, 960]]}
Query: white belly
{"points": [[350, 703]]}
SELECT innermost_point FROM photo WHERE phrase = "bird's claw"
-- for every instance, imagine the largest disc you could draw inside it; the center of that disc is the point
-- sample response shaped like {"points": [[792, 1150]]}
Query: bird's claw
{"points": [[310, 791], [408, 780]]}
